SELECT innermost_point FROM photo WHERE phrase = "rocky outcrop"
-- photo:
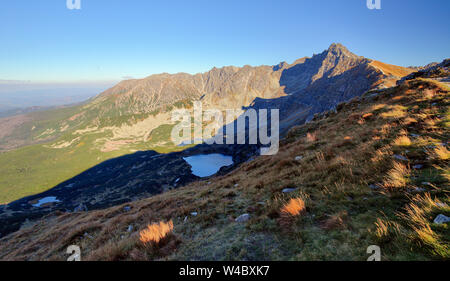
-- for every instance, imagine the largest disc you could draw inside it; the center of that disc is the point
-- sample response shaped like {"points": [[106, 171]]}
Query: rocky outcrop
{"points": [[434, 70]]}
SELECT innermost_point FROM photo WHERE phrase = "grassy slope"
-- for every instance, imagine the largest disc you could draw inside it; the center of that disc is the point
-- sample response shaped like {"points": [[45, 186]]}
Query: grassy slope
{"points": [[343, 154], [36, 168]]}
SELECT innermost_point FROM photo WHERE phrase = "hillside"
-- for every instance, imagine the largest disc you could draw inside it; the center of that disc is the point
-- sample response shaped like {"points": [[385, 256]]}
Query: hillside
{"points": [[43, 149], [374, 171]]}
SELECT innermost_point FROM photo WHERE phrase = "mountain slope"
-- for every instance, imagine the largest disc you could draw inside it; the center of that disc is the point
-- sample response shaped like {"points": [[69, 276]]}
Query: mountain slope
{"points": [[373, 172], [46, 148]]}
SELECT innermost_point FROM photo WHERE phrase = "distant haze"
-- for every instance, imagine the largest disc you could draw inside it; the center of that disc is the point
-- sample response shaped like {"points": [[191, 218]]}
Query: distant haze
{"points": [[21, 94]]}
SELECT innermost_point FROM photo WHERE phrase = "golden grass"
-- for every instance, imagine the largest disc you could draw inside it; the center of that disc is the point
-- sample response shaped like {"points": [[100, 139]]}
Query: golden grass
{"points": [[396, 112], [403, 141], [390, 69], [155, 232], [294, 207], [311, 137], [439, 153], [385, 229], [397, 177], [417, 216]]}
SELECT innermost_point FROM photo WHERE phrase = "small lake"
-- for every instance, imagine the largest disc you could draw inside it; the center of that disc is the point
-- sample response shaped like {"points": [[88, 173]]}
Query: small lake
{"points": [[50, 199], [205, 165]]}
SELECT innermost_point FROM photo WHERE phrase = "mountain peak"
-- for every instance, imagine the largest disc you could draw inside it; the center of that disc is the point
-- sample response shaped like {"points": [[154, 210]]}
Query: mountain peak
{"points": [[337, 49]]}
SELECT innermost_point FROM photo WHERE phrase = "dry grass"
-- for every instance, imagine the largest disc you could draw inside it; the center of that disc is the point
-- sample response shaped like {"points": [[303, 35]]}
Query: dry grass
{"points": [[418, 216], [397, 177], [294, 207], [402, 141], [386, 230], [439, 153], [311, 137], [337, 221], [155, 232]]}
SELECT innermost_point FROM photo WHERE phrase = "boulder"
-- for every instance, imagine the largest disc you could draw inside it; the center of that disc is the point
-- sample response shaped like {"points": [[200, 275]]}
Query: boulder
{"points": [[440, 219], [242, 218]]}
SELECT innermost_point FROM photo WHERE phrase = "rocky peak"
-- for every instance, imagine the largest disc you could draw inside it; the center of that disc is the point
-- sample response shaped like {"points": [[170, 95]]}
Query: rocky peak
{"points": [[339, 50]]}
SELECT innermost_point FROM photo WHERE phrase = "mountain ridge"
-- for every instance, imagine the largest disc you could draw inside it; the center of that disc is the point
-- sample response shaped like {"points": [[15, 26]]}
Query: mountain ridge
{"points": [[135, 114]]}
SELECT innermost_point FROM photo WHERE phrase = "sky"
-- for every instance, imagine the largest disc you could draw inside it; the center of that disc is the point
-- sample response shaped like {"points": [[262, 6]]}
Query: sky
{"points": [[107, 41]]}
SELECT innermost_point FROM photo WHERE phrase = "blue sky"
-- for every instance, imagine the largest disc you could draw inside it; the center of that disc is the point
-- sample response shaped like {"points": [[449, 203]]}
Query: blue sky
{"points": [[117, 39]]}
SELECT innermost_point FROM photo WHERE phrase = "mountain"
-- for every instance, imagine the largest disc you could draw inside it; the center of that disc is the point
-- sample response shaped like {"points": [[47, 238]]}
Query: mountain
{"points": [[43, 149], [371, 171]]}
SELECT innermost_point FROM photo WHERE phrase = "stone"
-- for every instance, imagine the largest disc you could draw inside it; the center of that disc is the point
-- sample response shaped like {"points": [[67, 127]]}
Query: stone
{"points": [[81, 208], [440, 219], [298, 158], [400, 157], [242, 218], [288, 190]]}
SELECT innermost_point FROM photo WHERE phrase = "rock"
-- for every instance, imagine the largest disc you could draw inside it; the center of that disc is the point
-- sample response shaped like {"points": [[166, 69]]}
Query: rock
{"points": [[127, 208], [236, 185], [298, 158], [242, 218], [130, 228], [81, 208], [288, 190], [418, 166], [194, 214], [400, 157], [440, 219]]}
